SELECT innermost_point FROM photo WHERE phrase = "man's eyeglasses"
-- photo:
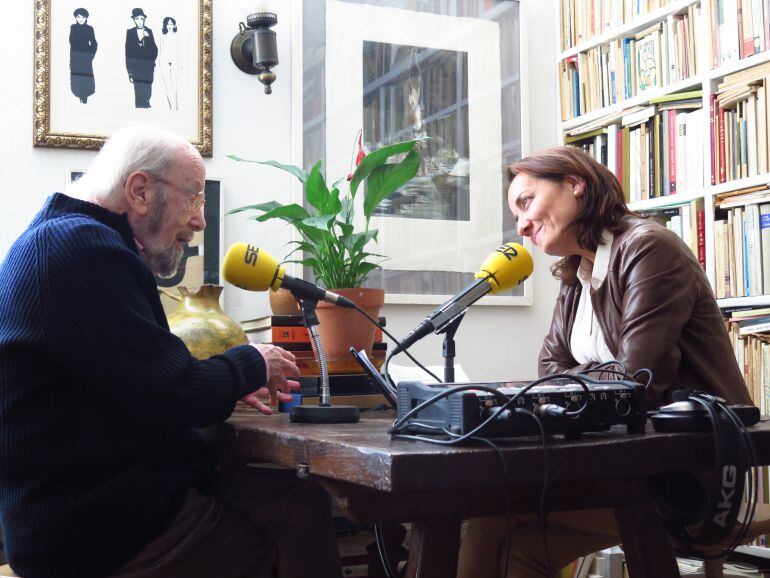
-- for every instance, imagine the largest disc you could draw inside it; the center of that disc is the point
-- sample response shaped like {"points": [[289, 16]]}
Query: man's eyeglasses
{"points": [[197, 200]]}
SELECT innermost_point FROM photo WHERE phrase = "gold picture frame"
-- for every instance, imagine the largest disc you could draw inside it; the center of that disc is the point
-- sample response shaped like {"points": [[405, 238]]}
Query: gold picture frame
{"points": [[62, 119]]}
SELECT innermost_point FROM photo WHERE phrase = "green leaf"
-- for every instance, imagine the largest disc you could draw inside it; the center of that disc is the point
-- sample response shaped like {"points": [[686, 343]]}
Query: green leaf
{"points": [[376, 159], [288, 213], [333, 204], [319, 222], [316, 193], [301, 174], [387, 178]]}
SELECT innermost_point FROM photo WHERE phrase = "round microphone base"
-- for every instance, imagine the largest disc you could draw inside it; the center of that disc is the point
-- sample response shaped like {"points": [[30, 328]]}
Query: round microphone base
{"points": [[324, 414]]}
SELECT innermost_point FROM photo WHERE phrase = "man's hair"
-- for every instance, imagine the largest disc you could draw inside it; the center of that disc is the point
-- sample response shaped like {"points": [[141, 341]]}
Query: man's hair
{"points": [[80, 11], [134, 148], [602, 204]]}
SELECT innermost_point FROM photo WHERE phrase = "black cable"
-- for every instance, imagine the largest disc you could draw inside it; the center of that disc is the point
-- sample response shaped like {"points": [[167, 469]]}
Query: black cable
{"points": [[396, 341], [506, 499], [380, 540]]}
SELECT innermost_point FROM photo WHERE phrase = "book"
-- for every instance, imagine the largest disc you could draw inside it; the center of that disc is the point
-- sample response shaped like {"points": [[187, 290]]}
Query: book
{"points": [[689, 95], [283, 329], [648, 58], [764, 233], [339, 384], [288, 334], [363, 401]]}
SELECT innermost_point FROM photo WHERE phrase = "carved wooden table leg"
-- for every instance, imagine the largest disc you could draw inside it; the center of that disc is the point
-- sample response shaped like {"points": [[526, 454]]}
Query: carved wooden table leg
{"points": [[433, 548], [645, 543]]}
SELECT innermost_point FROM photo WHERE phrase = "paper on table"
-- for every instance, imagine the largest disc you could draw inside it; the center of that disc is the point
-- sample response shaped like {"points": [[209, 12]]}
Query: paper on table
{"points": [[399, 373]]}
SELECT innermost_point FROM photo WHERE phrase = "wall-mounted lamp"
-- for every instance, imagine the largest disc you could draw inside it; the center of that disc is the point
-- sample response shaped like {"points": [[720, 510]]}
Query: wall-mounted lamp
{"points": [[254, 49]]}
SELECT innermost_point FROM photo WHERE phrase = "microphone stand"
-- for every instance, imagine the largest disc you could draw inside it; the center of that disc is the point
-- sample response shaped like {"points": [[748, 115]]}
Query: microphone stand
{"points": [[449, 348], [324, 412]]}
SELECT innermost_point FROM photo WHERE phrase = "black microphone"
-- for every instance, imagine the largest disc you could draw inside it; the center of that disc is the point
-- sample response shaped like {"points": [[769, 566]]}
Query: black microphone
{"points": [[508, 266], [254, 269]]}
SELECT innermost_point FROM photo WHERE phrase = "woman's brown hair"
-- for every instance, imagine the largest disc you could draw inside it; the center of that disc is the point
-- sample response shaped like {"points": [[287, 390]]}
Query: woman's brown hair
{"points": [[602, 203]]}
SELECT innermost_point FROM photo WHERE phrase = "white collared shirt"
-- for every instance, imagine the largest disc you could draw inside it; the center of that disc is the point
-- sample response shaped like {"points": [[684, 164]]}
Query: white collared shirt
{"points": [[587, 341]]}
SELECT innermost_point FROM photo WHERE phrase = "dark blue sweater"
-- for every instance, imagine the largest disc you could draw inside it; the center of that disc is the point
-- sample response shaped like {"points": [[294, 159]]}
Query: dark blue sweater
{"points": [[99, 402]]}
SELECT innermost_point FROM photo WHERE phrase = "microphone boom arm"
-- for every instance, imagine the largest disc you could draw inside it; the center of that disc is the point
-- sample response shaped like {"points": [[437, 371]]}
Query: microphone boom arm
{"points": [[458, 305]]}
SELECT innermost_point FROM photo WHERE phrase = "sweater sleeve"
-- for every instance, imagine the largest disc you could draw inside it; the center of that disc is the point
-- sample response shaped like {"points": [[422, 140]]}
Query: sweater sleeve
{"points": [[101, 327]]}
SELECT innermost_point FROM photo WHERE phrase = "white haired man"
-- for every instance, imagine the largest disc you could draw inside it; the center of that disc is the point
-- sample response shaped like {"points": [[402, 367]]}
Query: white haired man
{"points": [[103, 471]]}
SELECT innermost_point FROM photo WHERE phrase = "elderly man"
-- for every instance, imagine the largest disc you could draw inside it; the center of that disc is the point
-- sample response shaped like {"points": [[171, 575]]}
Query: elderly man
{"points": [[103, 471]]}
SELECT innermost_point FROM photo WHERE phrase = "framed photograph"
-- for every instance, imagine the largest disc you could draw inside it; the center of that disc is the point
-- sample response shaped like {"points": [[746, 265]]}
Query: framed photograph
{"points": [[202, 258], [446, 71], [100, 66]]}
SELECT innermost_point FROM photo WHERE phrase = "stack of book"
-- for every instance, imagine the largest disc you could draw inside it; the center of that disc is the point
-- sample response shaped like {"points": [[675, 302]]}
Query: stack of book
{"points": [[742, 242], [357, 389], [290, 333]]}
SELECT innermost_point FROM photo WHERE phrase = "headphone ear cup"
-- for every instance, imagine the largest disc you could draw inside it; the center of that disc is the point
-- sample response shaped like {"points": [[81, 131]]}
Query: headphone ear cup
{"points": [[679, 498]]}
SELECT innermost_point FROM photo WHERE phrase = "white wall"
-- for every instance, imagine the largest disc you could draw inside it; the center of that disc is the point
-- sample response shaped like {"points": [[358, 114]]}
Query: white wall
{"points": [[492, 343]]}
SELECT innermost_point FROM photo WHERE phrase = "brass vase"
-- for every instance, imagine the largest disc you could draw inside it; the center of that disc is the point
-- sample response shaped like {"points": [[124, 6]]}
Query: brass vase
{"points": [[200, 322]]}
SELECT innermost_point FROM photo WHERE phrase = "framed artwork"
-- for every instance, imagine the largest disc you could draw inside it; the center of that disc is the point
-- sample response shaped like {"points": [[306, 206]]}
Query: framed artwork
{"points": [[399, 69], [202, 258], [102, 65]]}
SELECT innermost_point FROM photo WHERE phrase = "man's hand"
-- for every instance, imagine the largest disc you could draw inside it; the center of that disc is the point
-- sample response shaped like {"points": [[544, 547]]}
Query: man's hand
{"points": [[253, 399], [280, 364]]}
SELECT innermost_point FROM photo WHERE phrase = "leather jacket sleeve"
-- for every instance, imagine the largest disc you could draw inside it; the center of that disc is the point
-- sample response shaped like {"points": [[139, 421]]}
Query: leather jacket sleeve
{"points": [[657, 288]]}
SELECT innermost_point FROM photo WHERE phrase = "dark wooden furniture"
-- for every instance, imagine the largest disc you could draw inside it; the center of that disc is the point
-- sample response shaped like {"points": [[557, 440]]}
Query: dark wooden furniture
{"points": [[376, 478]]}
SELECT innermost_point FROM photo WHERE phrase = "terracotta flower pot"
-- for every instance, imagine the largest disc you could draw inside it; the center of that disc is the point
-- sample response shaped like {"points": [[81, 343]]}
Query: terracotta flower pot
{"points": [[282, 302], [340, 328]]}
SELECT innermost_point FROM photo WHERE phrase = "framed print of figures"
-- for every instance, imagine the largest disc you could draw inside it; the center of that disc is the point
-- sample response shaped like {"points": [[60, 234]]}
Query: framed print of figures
{"points": [[401, 69], [103, 65]]}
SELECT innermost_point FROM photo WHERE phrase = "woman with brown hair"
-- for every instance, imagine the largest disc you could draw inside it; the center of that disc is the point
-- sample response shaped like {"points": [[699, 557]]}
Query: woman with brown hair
{"points": [[632, 291]]}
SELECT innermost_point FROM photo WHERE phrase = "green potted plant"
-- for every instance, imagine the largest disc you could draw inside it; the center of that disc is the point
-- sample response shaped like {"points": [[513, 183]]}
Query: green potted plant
{"points": [[330, 245]]}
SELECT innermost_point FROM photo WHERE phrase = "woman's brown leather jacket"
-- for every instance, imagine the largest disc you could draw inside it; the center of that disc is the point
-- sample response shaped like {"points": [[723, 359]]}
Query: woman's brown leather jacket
{"points": [[657, 311]]}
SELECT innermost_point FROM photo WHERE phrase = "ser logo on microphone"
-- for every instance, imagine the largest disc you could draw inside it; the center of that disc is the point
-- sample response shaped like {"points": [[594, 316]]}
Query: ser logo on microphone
{"points": [[251, 255], [508, 251]]}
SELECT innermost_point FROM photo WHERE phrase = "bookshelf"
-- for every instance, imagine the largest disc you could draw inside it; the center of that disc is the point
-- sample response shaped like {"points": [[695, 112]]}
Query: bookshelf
{"points": [[707, 50]]}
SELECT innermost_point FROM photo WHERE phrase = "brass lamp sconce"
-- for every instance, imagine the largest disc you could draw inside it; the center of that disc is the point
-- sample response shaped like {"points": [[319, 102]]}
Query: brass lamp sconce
{"points": [[254, 49]]}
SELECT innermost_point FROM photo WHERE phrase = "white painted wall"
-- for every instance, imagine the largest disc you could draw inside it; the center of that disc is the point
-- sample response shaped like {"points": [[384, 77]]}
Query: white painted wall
{"points": [[492, 343]]}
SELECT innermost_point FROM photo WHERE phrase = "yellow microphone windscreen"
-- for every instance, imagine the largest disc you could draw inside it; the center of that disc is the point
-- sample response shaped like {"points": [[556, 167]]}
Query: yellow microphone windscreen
{"points": [[251, 268], [508, 266]]}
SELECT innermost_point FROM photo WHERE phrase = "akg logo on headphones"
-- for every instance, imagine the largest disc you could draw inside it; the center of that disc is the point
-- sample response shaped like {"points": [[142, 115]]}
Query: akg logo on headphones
{"points": [[251, 255], [729, 479]]}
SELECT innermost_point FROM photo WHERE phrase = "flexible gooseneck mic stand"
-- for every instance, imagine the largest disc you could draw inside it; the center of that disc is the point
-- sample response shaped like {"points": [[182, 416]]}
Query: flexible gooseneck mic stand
{"points": [[324, 412]]}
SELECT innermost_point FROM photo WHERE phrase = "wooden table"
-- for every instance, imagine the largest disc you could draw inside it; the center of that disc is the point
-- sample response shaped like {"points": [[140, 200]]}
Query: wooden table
{"points": [[379, 479]]}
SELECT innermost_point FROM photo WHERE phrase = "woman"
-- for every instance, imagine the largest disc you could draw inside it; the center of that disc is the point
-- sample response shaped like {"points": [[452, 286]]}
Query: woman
{"points": [[631, 290], [169, 61], [82, 51]]}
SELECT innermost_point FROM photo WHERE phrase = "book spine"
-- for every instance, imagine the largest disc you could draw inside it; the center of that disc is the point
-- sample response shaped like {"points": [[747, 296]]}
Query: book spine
{"points": [[714, 138], [701, 238], [672, 134], [764, 233], [301, 335], [721, 129]]}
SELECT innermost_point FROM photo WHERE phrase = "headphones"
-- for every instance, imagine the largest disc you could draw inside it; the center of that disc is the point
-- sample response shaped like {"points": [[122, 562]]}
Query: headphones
{"points": [[704, 509]]}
